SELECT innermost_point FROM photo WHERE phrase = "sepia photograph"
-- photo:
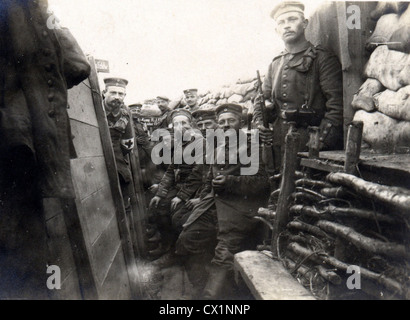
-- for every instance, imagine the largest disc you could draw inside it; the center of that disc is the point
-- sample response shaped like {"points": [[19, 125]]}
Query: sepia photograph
{"points": [[232, 151]]}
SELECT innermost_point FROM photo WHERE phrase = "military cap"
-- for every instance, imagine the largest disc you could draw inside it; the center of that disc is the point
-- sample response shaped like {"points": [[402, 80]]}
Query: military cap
{"points": [[287, 6], [163, 98], [179, 112], [190, 91], [117, 82], [202, 114], [229, 107]]}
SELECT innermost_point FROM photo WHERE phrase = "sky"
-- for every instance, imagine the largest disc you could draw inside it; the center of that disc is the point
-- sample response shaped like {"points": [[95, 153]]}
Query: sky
{"points": [[165, 46]]}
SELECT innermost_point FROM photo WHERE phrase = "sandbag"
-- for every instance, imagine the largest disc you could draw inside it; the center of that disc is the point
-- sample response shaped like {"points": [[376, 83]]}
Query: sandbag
{"points": [[150, 110], [400, 40], [235, 98], [385, 27], [363, 99], [221, 101], [390, 67], [384, 7], [383, 133], [395, 104]]}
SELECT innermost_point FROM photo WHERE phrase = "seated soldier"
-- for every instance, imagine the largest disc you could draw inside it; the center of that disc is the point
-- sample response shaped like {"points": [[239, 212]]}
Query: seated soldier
{"points": [[222, 223], [174, 189]]}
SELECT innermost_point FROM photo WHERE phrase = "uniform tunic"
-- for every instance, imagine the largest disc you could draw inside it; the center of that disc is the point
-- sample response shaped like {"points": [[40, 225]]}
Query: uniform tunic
{"points": [[311, 77], [122, 138]]}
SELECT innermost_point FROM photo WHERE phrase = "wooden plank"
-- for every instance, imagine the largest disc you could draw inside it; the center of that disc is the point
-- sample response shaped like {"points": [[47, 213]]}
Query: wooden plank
{"points": [[321, 165], [267, 279], [89, 175], [98, 211], [79, 102], [104, 249], [87, 141], [79, 248], [59, 246], [114, 286], [114, 181]]}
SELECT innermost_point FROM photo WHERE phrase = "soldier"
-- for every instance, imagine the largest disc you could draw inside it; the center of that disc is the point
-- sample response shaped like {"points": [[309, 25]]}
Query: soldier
{"points": [[121, 131], [224, 216], [174, 189], [302, 79], [163, 104], [191, 99]]}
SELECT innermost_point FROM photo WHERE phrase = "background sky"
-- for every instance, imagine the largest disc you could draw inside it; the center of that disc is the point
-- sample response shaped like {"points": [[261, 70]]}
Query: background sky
{"points": [[165, 46]]}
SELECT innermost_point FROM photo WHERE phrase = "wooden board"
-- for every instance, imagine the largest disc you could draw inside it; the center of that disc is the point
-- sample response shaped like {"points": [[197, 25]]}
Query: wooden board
{"points": [[267, 279], [87, 141], [80, 103]]}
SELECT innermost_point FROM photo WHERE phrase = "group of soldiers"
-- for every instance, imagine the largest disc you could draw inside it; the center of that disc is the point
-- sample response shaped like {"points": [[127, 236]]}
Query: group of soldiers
{"points": [[202, 214]]}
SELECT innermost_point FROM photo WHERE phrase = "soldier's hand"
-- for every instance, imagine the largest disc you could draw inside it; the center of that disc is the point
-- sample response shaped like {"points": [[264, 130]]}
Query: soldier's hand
{"points": [[175, 202], [154, 202], [266, 135], [219, 183], [192, 203], [154, 188]]}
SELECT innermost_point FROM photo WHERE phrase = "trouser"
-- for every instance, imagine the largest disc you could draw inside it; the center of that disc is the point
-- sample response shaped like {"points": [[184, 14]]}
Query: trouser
{"points": [[23, 238], [196, 245]]}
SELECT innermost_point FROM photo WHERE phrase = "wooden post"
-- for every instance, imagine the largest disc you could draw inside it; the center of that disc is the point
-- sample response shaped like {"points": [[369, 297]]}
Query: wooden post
{"points": [[125, 235], [314, 142], [287, 186], [353, 146]]}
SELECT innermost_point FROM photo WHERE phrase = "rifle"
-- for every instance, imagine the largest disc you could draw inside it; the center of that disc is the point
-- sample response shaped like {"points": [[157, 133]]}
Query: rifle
{"points": [[268, 154]]}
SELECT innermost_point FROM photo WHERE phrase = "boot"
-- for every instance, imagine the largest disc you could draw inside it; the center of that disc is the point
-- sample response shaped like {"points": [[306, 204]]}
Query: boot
{"points": [[196, 270], [216, 283]]}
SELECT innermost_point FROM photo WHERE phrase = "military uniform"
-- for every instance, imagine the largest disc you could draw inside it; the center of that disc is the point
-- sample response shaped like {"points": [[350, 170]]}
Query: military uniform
{"points": [[313, 78], [122, 138]]}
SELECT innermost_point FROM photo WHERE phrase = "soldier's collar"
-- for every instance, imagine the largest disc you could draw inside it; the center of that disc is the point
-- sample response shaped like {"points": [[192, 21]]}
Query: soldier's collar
{"points": [[307, 47]]}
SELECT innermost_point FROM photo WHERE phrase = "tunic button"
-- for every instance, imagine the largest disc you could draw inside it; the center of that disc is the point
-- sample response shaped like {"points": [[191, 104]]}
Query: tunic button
{"points": [[284, 94], [286, 67], [50, 96], [50, 83], [47, 67], [285, 104], [216, 195], [285, 75], [51, 113], [45, 33], [285, 85]]}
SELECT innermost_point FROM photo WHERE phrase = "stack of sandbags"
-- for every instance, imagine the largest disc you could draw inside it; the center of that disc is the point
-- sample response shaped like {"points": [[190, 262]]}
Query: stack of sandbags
{"points": [[242, 92], [383, 101]]}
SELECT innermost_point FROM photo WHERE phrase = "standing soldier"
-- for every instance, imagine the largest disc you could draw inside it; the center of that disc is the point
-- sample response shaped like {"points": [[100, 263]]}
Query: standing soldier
{"points": [[303, 80], [191, 99], [163, 105], [121, 131]]}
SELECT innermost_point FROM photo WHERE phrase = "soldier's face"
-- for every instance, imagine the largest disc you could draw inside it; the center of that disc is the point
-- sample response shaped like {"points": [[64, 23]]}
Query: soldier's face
{"points": [[181, 123], [206, 124], [228, 121], [114, 97], [163, 105], [290, 26], [191, 99]]}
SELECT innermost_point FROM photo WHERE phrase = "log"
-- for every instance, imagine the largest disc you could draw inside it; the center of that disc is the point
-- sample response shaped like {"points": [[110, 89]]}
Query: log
{"points": [[350, 212], [353, 146], [266, 213], [394, 197], [311, 192], [360, 241], [303, 196], [287, 186], [321, 258], [329, 275], [335, 192], [305, 182], [308, 228]]}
